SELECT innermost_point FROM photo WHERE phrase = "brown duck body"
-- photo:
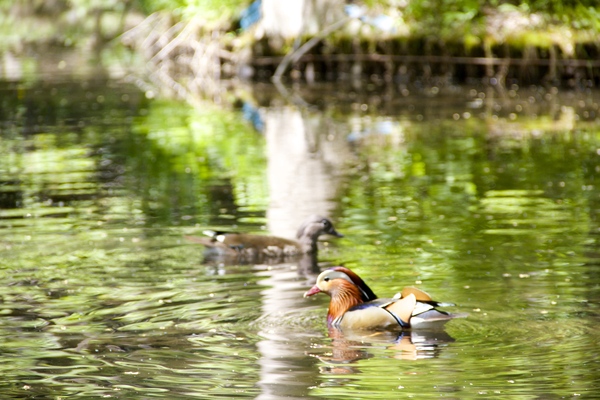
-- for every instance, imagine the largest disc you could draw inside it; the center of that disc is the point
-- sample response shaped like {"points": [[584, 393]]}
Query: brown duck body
{"points": [[353, 304], [252, 246]]}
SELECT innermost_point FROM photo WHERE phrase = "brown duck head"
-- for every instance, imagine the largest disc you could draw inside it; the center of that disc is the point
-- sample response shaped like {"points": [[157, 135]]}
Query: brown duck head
{"points": [[310, 230]]}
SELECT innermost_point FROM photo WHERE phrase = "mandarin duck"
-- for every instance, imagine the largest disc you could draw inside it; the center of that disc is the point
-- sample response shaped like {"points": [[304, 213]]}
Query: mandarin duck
{"points": [[254, 246], [353, 304]]}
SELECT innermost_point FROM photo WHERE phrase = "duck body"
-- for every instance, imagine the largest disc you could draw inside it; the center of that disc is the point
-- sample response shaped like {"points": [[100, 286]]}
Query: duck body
{"points": [[353, 304], [253, 246], [247, 244]]}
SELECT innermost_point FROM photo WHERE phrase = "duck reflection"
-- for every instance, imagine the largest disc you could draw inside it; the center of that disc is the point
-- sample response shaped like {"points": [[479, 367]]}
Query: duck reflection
{"points": [[348, 347]]}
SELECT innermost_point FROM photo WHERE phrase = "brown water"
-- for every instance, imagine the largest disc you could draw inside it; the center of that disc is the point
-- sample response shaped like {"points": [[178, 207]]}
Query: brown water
{"points": [[489, 200]]}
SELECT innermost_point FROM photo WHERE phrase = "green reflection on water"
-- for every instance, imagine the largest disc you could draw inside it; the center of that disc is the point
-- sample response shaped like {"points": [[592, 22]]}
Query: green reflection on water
{"points": [[102, 296]]}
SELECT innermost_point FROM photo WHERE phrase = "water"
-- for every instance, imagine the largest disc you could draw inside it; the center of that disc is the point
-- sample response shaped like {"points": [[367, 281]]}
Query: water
{"points": [[486, 199]]}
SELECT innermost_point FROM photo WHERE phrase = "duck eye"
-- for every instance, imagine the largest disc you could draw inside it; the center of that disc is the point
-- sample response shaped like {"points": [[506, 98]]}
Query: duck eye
{"points": [[326, 222], [326, 279]]}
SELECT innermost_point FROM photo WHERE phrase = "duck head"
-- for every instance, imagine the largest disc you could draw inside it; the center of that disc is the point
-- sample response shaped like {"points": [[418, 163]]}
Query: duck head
{"points": [[312, 228], [328, 283], [345, 288]]}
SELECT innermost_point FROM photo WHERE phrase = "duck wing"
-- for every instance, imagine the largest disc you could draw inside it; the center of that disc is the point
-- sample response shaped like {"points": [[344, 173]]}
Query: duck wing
{"points": [[422, 297], [377, 314]]}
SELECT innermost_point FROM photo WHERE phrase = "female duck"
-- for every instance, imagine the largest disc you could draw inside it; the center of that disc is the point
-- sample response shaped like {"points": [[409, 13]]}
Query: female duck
{"points": [[353, 304], [252, 246]]}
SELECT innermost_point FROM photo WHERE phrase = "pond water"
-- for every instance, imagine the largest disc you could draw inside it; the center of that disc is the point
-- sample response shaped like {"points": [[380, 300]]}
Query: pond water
{"points": [[489, 199]]}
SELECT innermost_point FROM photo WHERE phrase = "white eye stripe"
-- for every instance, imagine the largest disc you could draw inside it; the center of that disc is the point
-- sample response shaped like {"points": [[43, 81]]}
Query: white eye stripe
{"points": [[333, 275]]}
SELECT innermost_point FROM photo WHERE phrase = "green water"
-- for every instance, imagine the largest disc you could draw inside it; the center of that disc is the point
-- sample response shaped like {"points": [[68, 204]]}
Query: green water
{"points": [[489, 200]]}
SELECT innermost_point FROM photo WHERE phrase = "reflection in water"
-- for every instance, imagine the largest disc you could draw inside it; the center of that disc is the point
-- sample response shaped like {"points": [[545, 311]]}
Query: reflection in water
{"points": [[304, 164], [304, 168], [351, 346], [283, 365], [303, 180], [306, 263]]}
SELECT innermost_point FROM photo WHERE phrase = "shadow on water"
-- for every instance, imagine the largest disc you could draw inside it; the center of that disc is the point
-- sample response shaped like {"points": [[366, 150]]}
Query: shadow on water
{"points": [[487, 201]]}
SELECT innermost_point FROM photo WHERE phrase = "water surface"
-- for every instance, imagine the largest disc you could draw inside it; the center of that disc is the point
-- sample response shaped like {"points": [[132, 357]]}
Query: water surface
{"points": [[485, 198]]}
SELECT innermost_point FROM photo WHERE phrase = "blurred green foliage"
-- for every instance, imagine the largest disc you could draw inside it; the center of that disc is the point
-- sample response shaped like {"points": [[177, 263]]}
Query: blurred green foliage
{"points": [[207, 10], [71, 23], [180, 161]]}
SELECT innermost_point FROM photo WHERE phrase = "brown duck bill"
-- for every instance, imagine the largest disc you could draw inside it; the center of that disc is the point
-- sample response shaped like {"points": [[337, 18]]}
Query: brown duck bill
{"points": [[314, 290]]}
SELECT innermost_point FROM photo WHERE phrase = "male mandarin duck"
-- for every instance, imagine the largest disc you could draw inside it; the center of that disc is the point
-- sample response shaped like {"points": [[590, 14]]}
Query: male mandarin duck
{"points": [[271, 246], [353, 304]]}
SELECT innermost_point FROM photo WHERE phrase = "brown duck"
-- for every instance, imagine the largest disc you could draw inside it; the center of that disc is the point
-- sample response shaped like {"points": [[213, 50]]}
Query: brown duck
{"points": [[252, 246]]}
